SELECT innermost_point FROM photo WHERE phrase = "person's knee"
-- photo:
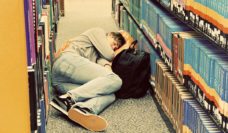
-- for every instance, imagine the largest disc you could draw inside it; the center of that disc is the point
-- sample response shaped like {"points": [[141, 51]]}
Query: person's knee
{"points": [[112, 98], [116, 81]]}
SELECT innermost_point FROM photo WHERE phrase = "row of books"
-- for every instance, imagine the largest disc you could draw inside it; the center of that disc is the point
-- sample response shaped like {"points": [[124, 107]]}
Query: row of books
{"points": [[217, 95], [208, 16], [153, 47], [161, 24], [39, 94], [135, 7], [208, 105], [166, 26], [183, 110], [127, 23], [133, 28], [41, 21], [40, 15], [218, 8], [197, 120], [205, 64], [191, 11], [124, 19], [154, 56], [149, 16]]}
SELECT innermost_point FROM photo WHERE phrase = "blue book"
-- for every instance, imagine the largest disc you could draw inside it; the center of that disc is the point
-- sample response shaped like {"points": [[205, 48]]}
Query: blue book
{"points": [[125, 20], [153, 16], [219, 75], [171, 25], [43, 116], [153, 55], [30, 37], [185, 113], [226, 87], [210, 68], [209, 53], [222, 79], [144, 11]]}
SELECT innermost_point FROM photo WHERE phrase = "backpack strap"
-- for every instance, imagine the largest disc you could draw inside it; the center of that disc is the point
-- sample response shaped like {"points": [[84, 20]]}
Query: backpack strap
{"points": [[132, 46]]}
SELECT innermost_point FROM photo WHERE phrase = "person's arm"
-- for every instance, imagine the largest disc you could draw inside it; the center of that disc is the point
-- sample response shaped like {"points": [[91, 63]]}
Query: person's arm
{"points": [[103, 62], [128, 38], [98, 38]]}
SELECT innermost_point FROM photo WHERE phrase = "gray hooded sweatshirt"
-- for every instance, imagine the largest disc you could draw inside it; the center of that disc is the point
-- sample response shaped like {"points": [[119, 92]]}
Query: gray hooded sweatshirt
{"points": [[93, 45]]}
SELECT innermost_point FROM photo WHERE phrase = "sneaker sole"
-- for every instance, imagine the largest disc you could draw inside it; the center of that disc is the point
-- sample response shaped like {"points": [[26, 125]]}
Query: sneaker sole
{"points": [[89, 121], [57, 107]]}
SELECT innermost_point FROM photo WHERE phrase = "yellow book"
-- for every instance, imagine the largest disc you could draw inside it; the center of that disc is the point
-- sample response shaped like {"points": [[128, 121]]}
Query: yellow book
{"points": [[14, 96]]}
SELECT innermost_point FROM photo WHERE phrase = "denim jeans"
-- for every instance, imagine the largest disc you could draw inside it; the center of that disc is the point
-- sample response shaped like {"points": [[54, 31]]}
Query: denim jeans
{"points": [[89, 84]]}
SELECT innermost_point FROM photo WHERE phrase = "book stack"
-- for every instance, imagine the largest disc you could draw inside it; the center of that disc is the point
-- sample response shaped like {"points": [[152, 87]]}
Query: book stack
{"points": [[41, 27], [124, 20], [183, 110], [206, 65], [135, 7], [194, 68], [196, 119], [208, 16], [150, 13], [146, 46], [133, 28], [167, 25]]}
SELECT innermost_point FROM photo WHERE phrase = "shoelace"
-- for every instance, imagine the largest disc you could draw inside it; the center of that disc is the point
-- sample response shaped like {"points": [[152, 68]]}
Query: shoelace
{"points": [[84, 110], [70, 101]]}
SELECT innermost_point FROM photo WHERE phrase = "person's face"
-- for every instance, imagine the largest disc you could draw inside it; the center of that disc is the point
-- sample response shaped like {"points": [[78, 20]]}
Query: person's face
{"points": [[114, 45]]}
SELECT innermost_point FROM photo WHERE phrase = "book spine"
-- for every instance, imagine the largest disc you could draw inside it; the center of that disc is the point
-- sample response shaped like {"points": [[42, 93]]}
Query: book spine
{"points": [[33, 97]]}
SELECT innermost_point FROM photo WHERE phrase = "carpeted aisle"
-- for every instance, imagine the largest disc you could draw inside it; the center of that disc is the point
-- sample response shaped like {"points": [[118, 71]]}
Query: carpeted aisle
{"points": [[124, 116]]}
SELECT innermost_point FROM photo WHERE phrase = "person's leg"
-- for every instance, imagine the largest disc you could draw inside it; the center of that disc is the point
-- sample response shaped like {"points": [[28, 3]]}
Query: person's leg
{"points": [[95, 79], [70, 86], [95, 93], [97, 104], [63, 102], [78, 112]]}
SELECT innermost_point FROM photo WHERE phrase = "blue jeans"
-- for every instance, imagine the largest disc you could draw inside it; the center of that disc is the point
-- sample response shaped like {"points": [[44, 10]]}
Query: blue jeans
{"points": [[89, 84]]}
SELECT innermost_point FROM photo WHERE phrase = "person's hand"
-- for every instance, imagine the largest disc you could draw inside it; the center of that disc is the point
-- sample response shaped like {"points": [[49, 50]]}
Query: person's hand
{"points": [[108, 66]]}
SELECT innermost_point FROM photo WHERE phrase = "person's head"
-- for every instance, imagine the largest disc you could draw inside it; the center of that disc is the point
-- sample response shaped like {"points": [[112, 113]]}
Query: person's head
{"points": [[115, 39]]}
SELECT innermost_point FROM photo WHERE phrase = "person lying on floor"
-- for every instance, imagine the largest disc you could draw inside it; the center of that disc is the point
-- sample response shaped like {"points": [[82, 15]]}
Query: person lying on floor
{"points": [[84, 64]]}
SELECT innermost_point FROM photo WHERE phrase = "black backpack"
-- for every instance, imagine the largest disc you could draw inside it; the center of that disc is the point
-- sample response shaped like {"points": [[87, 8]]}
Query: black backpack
{"points": [[133, 67]]}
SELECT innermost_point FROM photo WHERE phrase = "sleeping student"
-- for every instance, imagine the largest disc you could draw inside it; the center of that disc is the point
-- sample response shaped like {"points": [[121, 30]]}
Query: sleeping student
{"points": [[83, 79]]}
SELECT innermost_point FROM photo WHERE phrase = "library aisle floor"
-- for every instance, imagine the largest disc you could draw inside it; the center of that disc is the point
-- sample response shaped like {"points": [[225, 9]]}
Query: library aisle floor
{"points": [[124, 116]]}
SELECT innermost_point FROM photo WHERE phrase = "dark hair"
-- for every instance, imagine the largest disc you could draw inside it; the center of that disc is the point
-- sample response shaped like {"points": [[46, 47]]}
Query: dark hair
{"points": [[118, 38]]}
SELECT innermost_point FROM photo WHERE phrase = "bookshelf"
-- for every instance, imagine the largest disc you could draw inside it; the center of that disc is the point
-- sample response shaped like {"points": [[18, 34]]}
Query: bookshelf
{"points": [[28, 32], [161, 30], [207, 18], [14, 97], [197, 15]]}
